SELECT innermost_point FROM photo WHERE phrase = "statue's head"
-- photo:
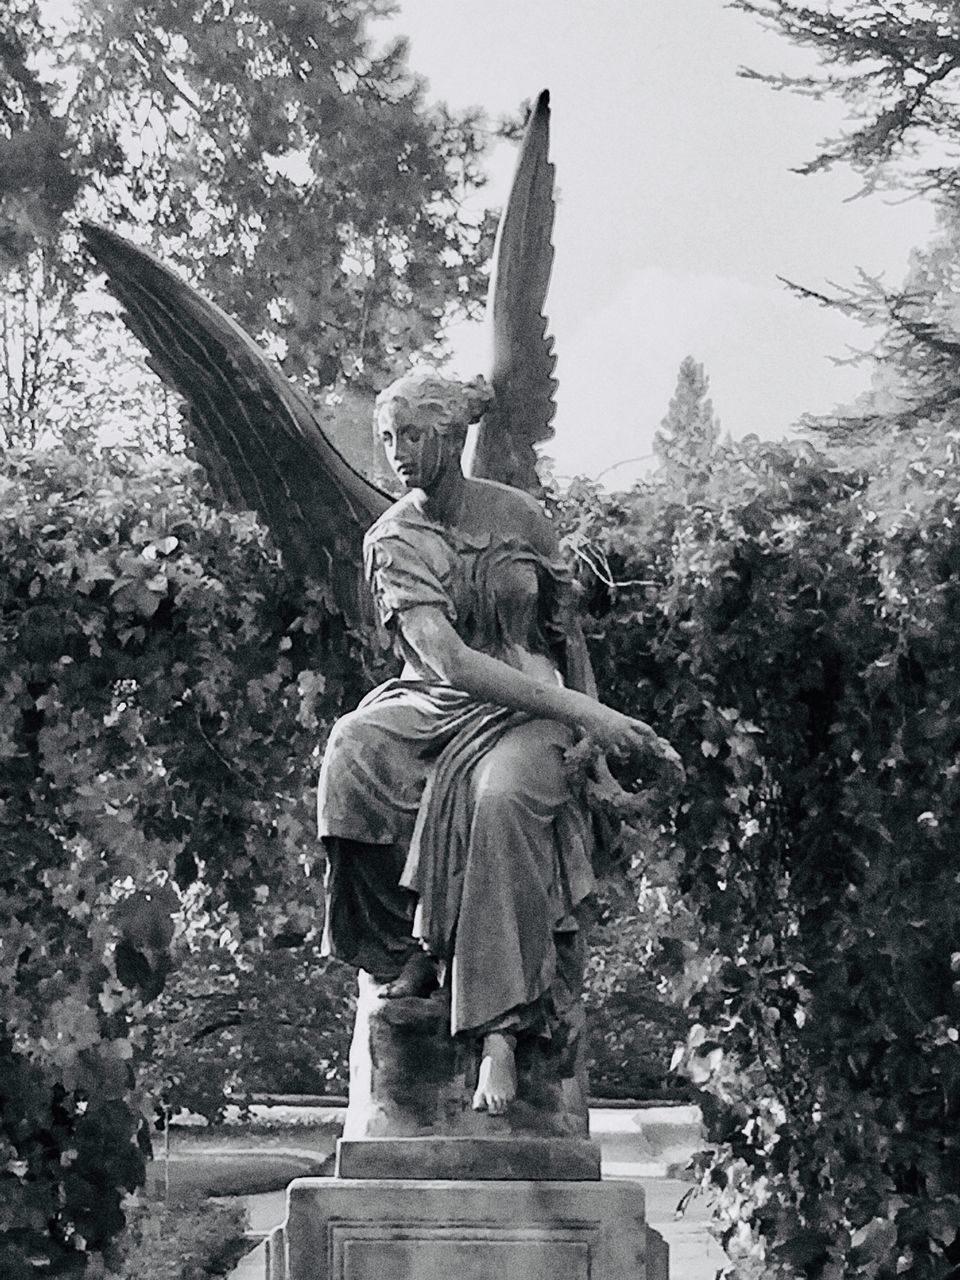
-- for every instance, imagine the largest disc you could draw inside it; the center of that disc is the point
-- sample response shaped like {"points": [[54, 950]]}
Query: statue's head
{"points": [[422, 420]]}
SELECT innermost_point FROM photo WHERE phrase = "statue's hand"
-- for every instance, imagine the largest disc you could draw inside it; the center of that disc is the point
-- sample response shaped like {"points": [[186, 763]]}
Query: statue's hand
{"points": [[625, 736]]}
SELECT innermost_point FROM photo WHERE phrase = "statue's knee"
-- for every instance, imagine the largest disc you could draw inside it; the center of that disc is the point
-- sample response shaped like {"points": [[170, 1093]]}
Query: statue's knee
{"points": [[498, 788], [348, 739]]}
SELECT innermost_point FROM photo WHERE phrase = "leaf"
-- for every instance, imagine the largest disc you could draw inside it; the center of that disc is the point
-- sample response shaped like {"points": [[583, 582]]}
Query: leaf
{"points": [[805, 1248]]}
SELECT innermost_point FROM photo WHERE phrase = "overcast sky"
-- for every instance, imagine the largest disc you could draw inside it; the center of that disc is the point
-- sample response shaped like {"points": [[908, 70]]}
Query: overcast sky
{"points": [[677, 210]]}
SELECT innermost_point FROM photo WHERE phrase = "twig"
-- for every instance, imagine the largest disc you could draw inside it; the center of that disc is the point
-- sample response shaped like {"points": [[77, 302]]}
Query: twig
{"points": [[596, 561], [231, 768], [641, 457]]}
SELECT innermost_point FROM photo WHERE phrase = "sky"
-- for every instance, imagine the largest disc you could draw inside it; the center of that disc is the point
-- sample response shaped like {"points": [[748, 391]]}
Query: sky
{"points": [[677, 211]]}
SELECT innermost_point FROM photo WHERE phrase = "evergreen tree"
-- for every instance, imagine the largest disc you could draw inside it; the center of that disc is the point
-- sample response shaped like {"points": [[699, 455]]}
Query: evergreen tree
{"points": [[686, 443], [896, 66]]}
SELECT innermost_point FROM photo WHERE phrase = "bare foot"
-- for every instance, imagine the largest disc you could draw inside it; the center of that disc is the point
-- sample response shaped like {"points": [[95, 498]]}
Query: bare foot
{"points": [[497, 1083], [418, 977]]}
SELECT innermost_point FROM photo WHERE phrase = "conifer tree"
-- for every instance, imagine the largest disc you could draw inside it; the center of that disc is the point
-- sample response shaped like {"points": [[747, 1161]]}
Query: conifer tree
{"points": [[896, 67], [686, 443]]}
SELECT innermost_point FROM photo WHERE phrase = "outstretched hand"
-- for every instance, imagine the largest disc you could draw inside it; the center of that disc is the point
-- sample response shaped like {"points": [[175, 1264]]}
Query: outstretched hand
{"points": [[624, 736]]}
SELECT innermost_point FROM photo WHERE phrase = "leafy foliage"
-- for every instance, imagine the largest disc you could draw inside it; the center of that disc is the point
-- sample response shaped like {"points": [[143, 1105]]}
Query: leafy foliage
{"points": [[249, 147], [798, 646], [268, 132], [269, 1020], [632, 1025], [896, 67], [894, 64], [161, 711], [37, 183], [179, 1242]]}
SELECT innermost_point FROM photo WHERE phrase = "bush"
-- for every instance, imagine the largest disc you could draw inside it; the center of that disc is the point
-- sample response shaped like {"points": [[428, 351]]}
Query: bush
{"points": [[179, 1242], [160, 711], [796, 639], [632, 1028], [276, 1021]]}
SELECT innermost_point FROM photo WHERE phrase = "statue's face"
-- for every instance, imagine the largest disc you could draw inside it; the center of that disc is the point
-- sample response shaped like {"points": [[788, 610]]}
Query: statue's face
{"points": [[418, 453]]}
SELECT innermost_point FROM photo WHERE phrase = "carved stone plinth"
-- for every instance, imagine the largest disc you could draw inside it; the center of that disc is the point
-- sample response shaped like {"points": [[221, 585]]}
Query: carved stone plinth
{"points": [[342, 1229], [427, 1188], [470, 1159], [409, 1077]]}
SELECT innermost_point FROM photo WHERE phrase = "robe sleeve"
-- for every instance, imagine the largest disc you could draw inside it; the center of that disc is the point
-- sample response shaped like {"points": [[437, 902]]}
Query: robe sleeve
{"points": [[406, 568]]}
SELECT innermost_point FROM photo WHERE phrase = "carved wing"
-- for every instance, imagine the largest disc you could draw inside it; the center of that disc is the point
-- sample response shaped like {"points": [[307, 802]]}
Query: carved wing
{"points": [[254, 432], [523, 357]]}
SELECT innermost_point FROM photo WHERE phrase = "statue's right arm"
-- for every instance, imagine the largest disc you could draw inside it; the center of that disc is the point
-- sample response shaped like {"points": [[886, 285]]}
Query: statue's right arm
{"points": [[429, 633]]}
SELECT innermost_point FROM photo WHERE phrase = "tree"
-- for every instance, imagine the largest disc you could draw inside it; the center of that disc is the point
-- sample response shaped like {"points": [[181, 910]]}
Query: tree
{"points": [[687, 440], [896, 66], [250, 148], [69, 372], [267, 133], [37, 183], [37, 186]]}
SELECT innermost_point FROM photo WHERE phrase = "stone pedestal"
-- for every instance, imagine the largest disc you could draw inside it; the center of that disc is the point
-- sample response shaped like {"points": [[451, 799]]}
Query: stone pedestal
{"points": [[470, 1159], [426, 1188], [346, 1229], [410, 1078]]}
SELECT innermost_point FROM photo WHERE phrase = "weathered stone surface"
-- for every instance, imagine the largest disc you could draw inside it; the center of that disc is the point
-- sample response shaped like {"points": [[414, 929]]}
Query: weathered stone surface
{"points": [[343, 1229], [470, 1159], [409, 1077]]}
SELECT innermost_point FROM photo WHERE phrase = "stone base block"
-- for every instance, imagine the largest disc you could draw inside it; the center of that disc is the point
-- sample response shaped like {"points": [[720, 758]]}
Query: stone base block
{"points": [[410, 1078], [470, 1159], [366, 1229]]}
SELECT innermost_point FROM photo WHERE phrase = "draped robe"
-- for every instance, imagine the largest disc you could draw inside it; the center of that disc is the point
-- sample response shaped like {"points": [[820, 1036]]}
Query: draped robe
{"points": [[486, 828]]}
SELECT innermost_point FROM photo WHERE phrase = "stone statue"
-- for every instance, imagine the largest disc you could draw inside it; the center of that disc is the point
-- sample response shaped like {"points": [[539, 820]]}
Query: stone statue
{"points": [[459, 847], [443, 800], [459, 851]]}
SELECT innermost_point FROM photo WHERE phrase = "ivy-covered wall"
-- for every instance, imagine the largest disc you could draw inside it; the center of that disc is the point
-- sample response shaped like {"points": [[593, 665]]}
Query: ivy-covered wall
{"points": [[160, 700], [794, 629]]}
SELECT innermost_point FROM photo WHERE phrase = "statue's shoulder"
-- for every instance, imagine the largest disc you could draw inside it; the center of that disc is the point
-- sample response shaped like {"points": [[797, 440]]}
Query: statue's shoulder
{"points": [[514, 510], [507, 498], [404, 534], [402, 517]]}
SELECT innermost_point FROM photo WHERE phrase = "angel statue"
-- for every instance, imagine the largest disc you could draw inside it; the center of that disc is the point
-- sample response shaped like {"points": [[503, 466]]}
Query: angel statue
{"points": [[459, 852]]}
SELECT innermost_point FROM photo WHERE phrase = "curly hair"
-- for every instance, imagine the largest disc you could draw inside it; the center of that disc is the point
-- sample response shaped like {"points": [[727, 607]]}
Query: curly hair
{"points": [[445, 403]]}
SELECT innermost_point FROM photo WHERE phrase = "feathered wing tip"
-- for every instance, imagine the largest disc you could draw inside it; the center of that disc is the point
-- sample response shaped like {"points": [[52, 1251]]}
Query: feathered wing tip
{"points": [[523, 355], [254, 432]]}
